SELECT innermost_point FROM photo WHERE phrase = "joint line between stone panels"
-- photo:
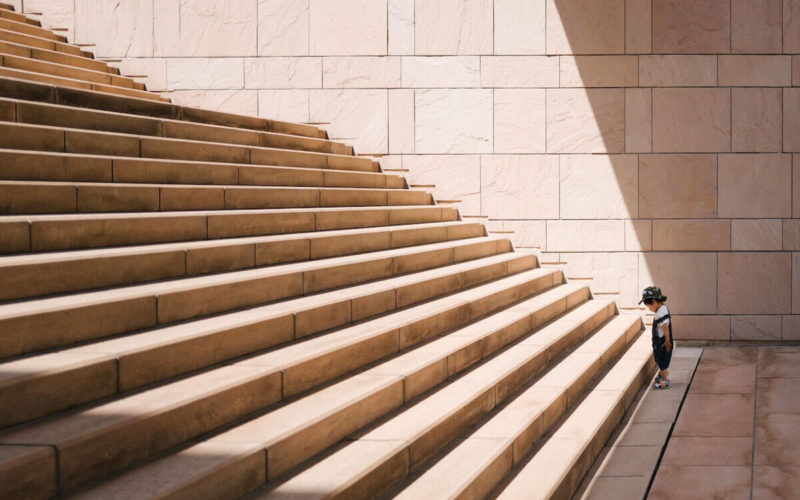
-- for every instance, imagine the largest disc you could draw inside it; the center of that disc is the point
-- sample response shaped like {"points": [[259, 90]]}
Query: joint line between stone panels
{"points": [[755, 415]]}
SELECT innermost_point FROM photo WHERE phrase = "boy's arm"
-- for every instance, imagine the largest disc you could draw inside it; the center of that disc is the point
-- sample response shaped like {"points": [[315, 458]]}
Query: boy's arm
{"points": [[665, 331]]}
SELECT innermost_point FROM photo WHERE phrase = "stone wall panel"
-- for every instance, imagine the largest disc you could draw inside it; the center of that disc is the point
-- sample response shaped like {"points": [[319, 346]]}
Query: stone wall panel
{"points": [[453, 121], [638, 27], [677, 71], [449, 27], [283, 27], [688, 279], [361, 72], [609, 272], [118, 29], [755, 71], [791, 26], [585, 120], [598, 71], [691, 235], [244, 102], [519, 27], [598, 186], [347, 27], [517, 186], [283, 73], [519, 121], [210, 28], [691, 26], [519, 71], [755, 283], [638, 235], [359, 117], [691, 120], [192, 73], [447, 71], [638, 120], [755, 186], [756, 234], [678, 186], [756, 26], [401, 121], [757, 119], [756, 328], [401, 27], [581, 27], [287, 105], [585, 235], [455, 177], [791, 120]]}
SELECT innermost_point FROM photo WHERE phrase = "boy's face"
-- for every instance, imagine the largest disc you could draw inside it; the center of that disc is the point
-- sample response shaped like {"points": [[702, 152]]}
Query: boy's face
{"points": [[652, 305]]}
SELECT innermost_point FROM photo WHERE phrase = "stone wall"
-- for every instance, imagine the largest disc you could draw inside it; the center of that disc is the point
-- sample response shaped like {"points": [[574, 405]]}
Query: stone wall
{"points": [[636, 141]]}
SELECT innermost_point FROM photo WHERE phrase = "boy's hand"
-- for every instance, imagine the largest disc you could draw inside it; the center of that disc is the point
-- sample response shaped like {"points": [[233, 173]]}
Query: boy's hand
{"points": [[667, 345]]}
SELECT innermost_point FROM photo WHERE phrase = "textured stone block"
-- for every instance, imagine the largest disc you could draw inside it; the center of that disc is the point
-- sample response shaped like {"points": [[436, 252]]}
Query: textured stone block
{"points": [[701, 327], [448, 71], [530, 234], [585, 235], [764, 328], [796, 182], [691, 26], [118, 29], [691, 235], [283, 72], [453, 121], [755, 283], [519, 26], [401, 121], [791, 119], [358, 115], [791, 26], [691, 120], [580, 27], [755, 186], [166, 39], [677, 71], [755, 71], [209, 28], [599, 187], [673, 186], [638, 235], [519, 71], [448, 27], [455, 177], [638, 120], [795, 283], [791, 326], [585, 121], [757, 120], [283, 27], [205, 73], [519, 121], [401, 27], [791, 235], [347, 27], [153, 72], [756, 26], [756, 234], [689, 279], [361, 72], [519, 187], [243, 102], [610, 272], [598, 71], [638, 27], [288, 105]]}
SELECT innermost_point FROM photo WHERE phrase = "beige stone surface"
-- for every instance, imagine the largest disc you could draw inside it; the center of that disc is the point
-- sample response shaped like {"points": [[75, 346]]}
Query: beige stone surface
{"points": [[401, 27], [154, 71], [796, 71], [638, 120], [755, 283], [791, 26], [585, 235], [677, 186], [527, 234], [638, 27], [691, 235], [122, 33], [702, 327], [757, 119], [691, 27], [689, 279], [447, 71], [283, 72], [360, 72], [756, 234], [598, 187], [755, 186], [401, 121], [205, 73], [289, 105], [585, 121], [519, 27], [638, 235], [610, 272], [691, 120], [519, 121], [598, 71], [761, 328], [795, 283], [332, 24], [210, 29], [791, 120], [283, 27], [755, 71], [231, 101], [756, 26], [677, 71], [455, 177], [453, 27], [791, 324], [519, 71], [519, 186], [453, 121], [796, 181], [579, 27], [359, 116]]}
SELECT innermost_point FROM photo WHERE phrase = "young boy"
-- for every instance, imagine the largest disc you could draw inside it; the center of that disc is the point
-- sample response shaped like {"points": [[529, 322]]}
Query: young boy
{"points": [[662, 333]]}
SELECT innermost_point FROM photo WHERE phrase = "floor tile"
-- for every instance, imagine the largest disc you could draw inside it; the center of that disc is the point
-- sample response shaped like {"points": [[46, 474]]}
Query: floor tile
{"points": [[643, 434], [708, 451], [724, 415], [701, 483], [778, 395], [778, 439], [630, 461], [776, 483], [779, 362], [718, 378], [605, 488]]}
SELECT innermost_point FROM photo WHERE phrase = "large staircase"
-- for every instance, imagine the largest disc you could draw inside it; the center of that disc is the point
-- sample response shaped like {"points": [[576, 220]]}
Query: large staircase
{"points": [[195, 304]]}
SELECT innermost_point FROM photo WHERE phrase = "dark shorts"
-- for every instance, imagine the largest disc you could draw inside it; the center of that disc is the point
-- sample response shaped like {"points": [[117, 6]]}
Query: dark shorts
{"points": [[662, 355]]}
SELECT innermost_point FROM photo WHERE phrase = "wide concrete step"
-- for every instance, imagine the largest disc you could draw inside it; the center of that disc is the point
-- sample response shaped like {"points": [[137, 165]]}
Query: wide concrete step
{"points": [[301, 429], [53, 56], [386, 453], [145, 104], [35, 197], [16, 16], [45, 166], [68, 232], [56, 381], [56, 139], [65, 71], [31, 275], [95, 442], [482, 458], [39, 42], [37, 113], [29, 29], [558, 467], [46, 78]]}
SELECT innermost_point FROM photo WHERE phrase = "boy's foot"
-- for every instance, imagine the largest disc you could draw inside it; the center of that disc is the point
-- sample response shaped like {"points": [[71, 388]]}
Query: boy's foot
{"points": [[658, 377], [661, 384]]}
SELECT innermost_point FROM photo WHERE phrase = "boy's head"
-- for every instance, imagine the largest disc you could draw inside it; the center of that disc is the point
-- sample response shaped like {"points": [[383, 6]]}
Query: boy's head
{"points": [[653, 298]]}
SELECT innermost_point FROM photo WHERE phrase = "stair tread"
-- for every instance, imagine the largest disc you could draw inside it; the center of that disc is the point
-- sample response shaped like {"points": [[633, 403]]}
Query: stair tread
{"points": [[22, 27], [100, 88], [69, 59], [63, 70]]}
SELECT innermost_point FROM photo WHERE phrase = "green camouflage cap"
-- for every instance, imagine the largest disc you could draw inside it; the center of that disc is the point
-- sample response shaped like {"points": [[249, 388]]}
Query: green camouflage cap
{"points": [[652, 292]]}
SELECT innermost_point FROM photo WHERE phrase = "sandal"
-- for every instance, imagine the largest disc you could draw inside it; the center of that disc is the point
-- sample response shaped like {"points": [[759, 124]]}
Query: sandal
{"points": [[661, 384]]}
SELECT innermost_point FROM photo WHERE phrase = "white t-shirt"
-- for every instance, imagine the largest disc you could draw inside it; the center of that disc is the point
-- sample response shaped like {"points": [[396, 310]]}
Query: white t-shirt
{"points": [[664, 325]]}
